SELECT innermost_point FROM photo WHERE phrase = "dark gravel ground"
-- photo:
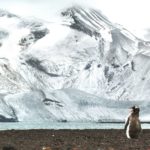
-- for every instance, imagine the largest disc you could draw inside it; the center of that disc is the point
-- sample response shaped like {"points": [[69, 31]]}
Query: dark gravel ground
{"points": [[73, 140]]}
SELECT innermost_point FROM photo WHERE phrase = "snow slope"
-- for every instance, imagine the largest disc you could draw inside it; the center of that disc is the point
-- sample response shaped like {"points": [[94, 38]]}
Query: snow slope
{"points": [[82, 68]]}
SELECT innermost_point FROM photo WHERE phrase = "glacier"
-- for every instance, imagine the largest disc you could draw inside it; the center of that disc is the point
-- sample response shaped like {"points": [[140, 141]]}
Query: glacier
{"points": [[82, 68]]}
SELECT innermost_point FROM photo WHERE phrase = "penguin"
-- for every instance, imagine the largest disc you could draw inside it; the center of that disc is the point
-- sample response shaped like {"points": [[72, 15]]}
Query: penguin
{"points": [[132, 124], [46, 148]]}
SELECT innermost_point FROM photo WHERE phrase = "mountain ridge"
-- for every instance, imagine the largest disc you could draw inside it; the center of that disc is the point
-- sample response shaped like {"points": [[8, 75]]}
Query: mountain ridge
{"points": [[85, 52]]}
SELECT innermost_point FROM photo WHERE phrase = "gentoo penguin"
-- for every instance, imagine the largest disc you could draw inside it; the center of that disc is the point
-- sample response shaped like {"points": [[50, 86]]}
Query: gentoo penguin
{"points": [[46, 148], [133, 125]]}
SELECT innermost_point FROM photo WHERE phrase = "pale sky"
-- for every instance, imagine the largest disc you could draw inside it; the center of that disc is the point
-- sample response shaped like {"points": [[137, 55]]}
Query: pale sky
{"points": [[132, 14]]}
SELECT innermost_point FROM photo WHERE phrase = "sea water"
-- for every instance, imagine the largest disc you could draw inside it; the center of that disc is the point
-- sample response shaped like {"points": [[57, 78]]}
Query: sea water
{"points": [[63, 125]]}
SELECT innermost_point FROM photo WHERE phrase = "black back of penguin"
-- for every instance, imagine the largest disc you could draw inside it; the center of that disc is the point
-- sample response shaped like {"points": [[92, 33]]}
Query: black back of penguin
{"points": [[133, 125]]}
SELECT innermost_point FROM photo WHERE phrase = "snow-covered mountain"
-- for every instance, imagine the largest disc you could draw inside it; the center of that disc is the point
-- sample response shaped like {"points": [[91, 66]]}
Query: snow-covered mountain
{"points": [[82, 68]]}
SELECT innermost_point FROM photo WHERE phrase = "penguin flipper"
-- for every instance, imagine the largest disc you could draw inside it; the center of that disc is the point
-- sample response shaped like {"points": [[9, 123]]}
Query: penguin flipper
{"points": [[126, 124]]}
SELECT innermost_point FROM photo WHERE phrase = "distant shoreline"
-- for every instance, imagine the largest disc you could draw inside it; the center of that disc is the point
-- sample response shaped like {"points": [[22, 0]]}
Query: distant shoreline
{"points": [[142, 122], [74, 121]]}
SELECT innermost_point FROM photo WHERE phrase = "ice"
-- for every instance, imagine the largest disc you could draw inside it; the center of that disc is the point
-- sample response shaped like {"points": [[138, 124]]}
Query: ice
{"points": [[67, 105]]}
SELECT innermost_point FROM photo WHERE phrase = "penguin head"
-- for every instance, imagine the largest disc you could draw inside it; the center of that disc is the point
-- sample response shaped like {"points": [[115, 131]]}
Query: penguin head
{"points": [[135, 109]]}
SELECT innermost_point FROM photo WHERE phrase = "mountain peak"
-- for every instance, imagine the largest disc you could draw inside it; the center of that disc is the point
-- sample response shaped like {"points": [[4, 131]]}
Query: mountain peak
{"points": [[87, 20]]}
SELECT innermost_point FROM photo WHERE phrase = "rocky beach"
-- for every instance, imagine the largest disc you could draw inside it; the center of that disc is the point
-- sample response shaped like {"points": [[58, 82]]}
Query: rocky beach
{"points": [[97, 139]]}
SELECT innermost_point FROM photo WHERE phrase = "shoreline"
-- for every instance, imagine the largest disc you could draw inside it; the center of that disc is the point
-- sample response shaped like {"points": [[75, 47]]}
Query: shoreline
{"points": [[64, 126]]}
